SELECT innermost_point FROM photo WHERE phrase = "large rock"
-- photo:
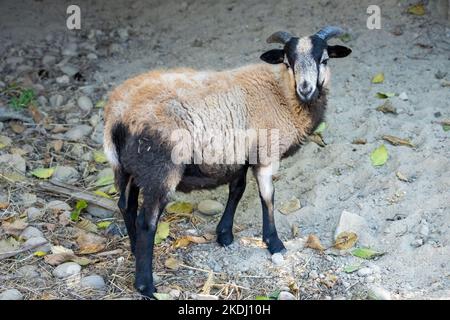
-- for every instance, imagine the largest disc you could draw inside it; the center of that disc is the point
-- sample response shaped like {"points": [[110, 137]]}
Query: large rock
{"points": [[93, 282], [66, 270], [351, 222], [11, 294], [65, 174], [85, 104], [210, 207]]}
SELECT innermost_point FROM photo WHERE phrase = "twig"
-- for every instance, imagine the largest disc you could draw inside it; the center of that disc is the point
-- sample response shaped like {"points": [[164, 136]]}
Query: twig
{"points": [[74, 192], [26, 248]]}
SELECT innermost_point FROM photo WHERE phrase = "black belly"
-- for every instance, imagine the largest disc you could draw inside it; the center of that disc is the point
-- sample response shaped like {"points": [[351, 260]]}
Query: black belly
{"points": [[197, 177]]}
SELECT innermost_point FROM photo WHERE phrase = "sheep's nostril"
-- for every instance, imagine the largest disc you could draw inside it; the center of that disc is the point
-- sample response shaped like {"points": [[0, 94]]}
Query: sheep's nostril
{"points": [[305, 89]]}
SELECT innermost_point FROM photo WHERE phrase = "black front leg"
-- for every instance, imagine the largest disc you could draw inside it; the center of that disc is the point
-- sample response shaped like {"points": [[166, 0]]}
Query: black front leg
{"points": [[266, 193], [224, 229]]}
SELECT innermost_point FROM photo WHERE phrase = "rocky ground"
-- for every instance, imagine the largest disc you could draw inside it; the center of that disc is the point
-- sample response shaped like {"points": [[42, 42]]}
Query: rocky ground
{"points": [[54, 83]]}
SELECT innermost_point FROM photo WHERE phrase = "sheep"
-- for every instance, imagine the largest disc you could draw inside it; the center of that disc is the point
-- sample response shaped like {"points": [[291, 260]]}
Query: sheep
{"points": [[286, 94]]}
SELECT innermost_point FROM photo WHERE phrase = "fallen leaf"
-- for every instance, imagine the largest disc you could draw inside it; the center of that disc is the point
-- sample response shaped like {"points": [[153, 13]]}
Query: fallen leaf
{"points": [[82, 261], [398, 141], [100, 157], [345, 240], [43, 173], [179, 207], [208, 283], [317, 139], [330, 280], [294, 231], [9, 244], [17, 127], [162, 296], [262, 298], [80, 205], [103, 224], [379, 156], [320, 128], [162, 232], [14, 228], [105, 181], [446, 127], [4, 205], [417, 9], [366, 253], [378, 78], [40, 254], [387, 107], [35, 114], [5, 142], [172, 264], [352, 268], [87, 225], [90, 243], [401, 177], [60, 249], [100, 104], [102, 194], [186, 240], [55, 259], [385, 95], [313, 242], [346, 37], [253, 242]]}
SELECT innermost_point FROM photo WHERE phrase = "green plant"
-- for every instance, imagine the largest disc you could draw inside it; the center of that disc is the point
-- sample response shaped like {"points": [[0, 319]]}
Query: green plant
{"points": [[22, 98]]}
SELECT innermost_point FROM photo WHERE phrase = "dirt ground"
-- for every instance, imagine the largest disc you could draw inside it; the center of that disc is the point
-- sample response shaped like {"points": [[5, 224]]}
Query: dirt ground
{"points": [[402, 208]]}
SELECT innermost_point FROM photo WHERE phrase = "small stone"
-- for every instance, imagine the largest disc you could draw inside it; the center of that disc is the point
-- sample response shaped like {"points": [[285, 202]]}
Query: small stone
{"points": [[364, 272], [424, 230], [63, 79], [92, 56], [206, 297], [56, 100], [57, 206], [99, 212], [33, 213], [69, 70], [378, 293], [27, 271], [417, 243], [313, 274], [11, 294], [66, 270], [156, 278], [48, 60], [70, 50], [210, 207], [285, 295], [93, 282], [78, 132], [13, 61], [174, 293], [123, 34], [65, 174], [31, 232], [370, 279], [85, 104], [277, 259], [403, 96], [115, 48], [37, 240], [290, 206]]}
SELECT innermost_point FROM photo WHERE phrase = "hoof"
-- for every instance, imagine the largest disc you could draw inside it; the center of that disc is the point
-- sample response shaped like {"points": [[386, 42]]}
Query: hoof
{"points": [[275, 245], [225, 238], [146, 291]]}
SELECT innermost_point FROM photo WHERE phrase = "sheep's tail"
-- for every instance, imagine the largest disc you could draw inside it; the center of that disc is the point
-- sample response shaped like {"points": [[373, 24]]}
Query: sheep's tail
{"points": [[114, 141]]}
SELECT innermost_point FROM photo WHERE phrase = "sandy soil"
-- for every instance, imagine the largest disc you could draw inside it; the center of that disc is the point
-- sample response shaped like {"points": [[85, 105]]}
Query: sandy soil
{"points": [[409, 221]]}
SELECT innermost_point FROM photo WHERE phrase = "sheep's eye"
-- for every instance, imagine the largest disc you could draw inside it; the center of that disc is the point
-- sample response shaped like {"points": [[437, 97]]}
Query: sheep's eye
{"points": [[324, 58]]}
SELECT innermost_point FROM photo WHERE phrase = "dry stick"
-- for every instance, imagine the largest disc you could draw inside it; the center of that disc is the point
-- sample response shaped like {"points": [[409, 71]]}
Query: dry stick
{"points": [[74, 192], [26, 248]]}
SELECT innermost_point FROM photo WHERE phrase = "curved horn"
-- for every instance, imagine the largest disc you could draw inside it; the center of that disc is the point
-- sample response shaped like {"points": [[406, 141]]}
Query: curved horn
{"points": [[329, 32], [279, 37]]}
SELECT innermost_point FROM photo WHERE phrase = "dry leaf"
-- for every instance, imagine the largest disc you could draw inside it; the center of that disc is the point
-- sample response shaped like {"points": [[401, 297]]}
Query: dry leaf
{"points": [[186, 240], [317, 139], [17, 127], [35, 114], [90, 243], [417, 9], [398, 141], [290, 206], [360, 141], [57, 145], [58, 258], [172, 264], [208, 283], [402, 177], [4, 205], [60, 249], [253, 242], [87, 225], [14, 228], [387, 107], [345, 240], [330, 280], [294, 231], [313, 242]]}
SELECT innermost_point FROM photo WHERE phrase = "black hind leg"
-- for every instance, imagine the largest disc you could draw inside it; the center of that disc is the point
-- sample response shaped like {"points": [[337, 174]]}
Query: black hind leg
{"points": [[128, 204], [224, 229]]}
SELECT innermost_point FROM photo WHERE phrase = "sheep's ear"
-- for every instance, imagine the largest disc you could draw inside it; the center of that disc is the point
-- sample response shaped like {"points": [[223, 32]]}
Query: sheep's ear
{"points": [[273, 56], [338, 51]]}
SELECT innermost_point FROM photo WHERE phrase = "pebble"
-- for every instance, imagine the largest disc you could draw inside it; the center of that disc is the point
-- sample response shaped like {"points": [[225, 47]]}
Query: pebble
{"points": [[277, 259], [28, 271], [123, 34], [85, 104], [48, 60], [417, 243], [31, 232], [11, 294], [403, 96], [364, 272], [63, 79], [93, 282], [210, 207], [70, 50], [378, 293], [33, 213], [174, 293], [66, 270], [92, 56], [65, 174], [285, 295], [36, 240], [69, 70], [14, 162], [43, 102], [78, 132], [56, 100], [313, 274], [370, 279], [13, 61], [99, 212], [424, 230]]}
